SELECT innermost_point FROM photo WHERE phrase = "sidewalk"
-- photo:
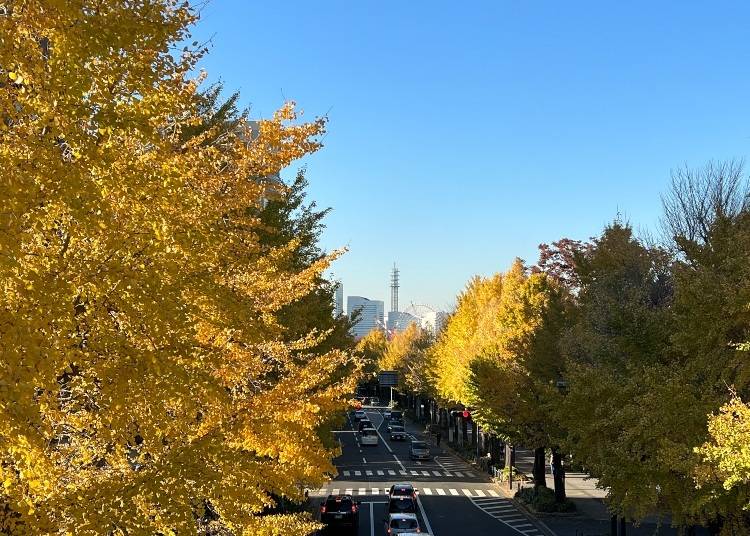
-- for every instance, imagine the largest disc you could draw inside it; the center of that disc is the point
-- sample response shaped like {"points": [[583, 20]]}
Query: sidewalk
{"points": [[592, 517]]}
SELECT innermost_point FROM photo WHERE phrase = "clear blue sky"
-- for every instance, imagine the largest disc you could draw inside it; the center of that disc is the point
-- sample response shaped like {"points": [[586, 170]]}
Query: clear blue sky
{"points": [[463, 134]]}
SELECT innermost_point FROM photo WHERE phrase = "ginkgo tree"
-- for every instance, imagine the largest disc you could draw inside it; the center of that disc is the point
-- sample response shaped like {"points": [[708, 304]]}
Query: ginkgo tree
{"points": [[145, 374]]}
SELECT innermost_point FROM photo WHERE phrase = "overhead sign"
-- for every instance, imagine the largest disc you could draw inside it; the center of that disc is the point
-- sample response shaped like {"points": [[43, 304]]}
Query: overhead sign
{"points": [[388, 378]]}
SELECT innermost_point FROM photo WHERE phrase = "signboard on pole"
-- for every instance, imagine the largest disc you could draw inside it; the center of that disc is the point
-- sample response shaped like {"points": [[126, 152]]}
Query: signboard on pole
{"points": [[388, 378]]}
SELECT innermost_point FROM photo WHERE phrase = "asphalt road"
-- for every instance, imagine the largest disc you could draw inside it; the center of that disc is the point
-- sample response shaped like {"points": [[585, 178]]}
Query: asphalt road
{"points": [[452, 498]]}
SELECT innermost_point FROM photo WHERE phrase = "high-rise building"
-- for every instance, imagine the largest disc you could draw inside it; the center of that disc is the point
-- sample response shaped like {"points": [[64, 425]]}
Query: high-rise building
{"points": [[338, 299], [370, 314], [400, 320], [394, 288]]}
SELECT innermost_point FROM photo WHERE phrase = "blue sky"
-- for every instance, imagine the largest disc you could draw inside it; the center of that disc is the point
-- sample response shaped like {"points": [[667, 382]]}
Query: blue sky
{"points": [[463, 134]]}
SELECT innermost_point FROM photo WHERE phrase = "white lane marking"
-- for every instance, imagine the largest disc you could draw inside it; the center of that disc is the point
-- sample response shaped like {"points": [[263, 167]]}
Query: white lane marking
{"points": [[348, 491], [391, 472], [427, 491], [453, 491], [375, 491], [440, 464], [368, 473], [401, 465], [403, 473], [357, 473], [380, 473], [424, 516], [372, 522], [479, 492], [440, 491], [426, 473], [362, 491], [466, 492], [364, 459], [436, 473], [492, 493], [347, 473], [459, 474], [414, 473], [335, 491]]}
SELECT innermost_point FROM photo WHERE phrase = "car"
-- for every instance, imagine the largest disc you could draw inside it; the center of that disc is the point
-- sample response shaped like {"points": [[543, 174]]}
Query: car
{"points": [[393, 423], [401, 524], [387, 413], [397, 432], [375, 401], [365, 423], [396, 415], [419, 450], [360, 414], [402, 489], [340, 511], [402, 505], [368, 436]]}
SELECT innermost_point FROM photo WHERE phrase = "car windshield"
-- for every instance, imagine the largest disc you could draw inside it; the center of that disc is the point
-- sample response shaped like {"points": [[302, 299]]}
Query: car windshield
{"points": [[339, 504], [402, 490], [369, 432], [400, 523], [419, 445], [401, 505], [397, 428], [395, 414]]}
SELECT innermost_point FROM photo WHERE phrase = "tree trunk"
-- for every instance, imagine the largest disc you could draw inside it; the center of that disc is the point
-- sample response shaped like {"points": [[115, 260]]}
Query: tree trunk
{"points": [[558, 470], [540, 478]]}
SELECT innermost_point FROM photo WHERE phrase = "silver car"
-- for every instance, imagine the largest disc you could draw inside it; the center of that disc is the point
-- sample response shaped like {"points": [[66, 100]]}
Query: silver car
{"points": [[402, 524]]}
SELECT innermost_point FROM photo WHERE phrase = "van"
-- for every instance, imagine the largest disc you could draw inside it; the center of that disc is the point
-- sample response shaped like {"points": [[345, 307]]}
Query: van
{"points": [[368, 436]]}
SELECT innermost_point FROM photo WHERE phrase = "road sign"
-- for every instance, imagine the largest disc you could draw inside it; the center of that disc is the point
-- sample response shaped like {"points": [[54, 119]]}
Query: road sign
{"points": [[388, 378]]}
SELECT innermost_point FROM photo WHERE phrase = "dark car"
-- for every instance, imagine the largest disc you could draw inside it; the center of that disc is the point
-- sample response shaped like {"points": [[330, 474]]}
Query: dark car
{"points": [[397, 415], [402, 490], [419, 450], [402, 505], [340, 511], [398, 432], [365, 423], [396, 422]]}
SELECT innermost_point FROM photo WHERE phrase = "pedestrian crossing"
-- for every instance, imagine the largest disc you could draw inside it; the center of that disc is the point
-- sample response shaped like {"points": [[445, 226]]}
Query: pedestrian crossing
{"points": [[471, 493], [410, 472], [505, 511]]}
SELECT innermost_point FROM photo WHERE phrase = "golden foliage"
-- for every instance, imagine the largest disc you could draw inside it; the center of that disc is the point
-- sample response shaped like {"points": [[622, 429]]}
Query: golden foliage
{"points": [[143, 370]]}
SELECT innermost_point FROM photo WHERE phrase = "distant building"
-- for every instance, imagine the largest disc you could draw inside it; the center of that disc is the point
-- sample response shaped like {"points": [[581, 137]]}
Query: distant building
{"points": [[399, 321], [433, 321], [370, 314], [338, 299]]}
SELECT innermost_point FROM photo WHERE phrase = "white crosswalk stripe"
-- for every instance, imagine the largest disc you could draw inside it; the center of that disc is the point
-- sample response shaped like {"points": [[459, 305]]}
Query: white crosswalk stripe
{"points": [[362, 491], [380, 473], [348, 491], [368, 473], [347, 473], [427, 491], [335, 491], [453, 491], [440, 491], [375, 491], [505, 511], [459, 474], [466, 492], [426, 473], [391, 472], [403, 473], [414, 473], [479, 492], [357, 473], [436, 473]]}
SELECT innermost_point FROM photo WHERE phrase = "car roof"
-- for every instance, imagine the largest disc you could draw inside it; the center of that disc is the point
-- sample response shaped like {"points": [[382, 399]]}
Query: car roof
{"points": [[403, 516], [339, 497], [402, 485]]}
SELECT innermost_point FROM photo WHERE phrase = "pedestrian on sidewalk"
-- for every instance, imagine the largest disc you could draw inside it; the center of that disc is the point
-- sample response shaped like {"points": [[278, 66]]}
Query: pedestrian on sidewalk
{"points": [[437, 437]]}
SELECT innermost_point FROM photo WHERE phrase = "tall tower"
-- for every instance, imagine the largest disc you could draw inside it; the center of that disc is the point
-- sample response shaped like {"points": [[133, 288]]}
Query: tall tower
{"points": [[394, 288]]}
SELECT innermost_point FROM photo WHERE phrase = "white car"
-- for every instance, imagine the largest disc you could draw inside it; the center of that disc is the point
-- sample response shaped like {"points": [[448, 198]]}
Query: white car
{"points": [[368, 436], [402, 524], [359, 414]]}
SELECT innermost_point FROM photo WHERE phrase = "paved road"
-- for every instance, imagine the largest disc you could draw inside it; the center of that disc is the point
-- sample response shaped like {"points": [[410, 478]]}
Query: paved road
{"points": [[453, 499]]}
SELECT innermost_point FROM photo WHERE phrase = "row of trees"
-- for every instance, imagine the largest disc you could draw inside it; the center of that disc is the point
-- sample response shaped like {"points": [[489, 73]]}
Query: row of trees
{"points": [[629, 354], [169, 353]]}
